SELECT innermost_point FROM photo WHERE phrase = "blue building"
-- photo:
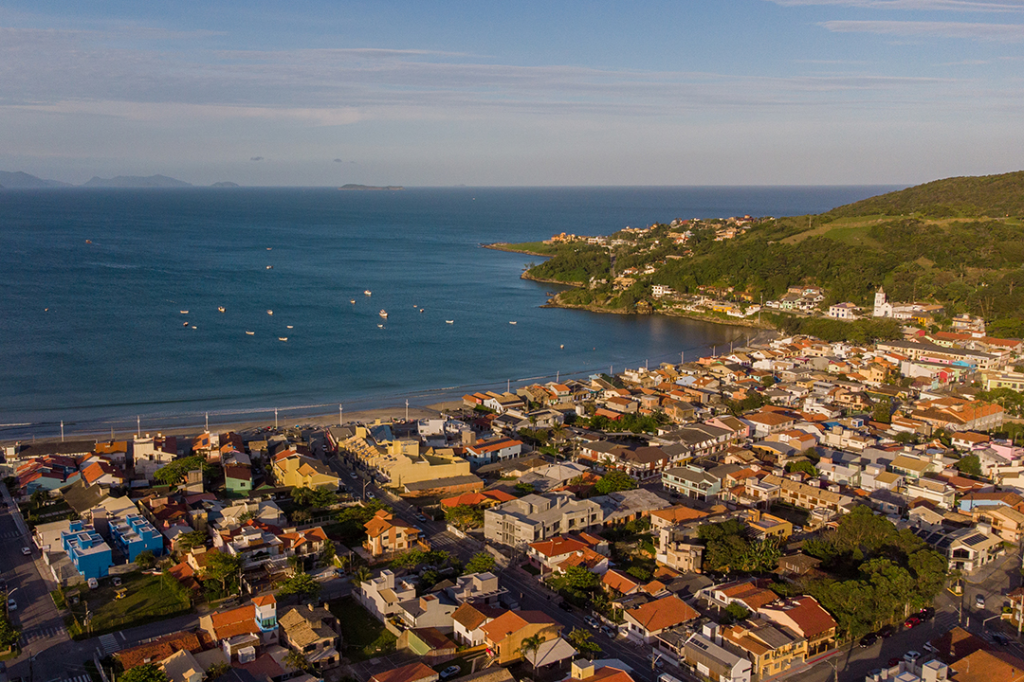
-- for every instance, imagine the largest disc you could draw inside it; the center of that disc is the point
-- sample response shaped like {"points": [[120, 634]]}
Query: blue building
{"points": [[87, 550], [134, 534]]}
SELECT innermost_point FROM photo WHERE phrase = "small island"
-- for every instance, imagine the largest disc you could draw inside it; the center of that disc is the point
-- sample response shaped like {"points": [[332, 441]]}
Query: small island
{"points": [[929, 256], [370, 188]]}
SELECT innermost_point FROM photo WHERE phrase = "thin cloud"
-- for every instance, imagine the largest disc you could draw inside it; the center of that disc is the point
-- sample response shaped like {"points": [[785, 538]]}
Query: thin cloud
{"points": [[256, 158], [932, 29], [913, 5], [337, 161]]}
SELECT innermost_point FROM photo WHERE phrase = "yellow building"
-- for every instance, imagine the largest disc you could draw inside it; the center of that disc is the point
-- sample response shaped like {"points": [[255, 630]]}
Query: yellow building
{"points": [[400, 460], [299, 471]]}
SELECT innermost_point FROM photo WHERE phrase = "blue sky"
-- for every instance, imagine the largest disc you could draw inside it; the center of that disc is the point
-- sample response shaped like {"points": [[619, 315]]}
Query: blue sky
{"points": [[691, 92]]}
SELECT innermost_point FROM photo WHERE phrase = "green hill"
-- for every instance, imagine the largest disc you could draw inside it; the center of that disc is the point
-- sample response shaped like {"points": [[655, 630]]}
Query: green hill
{"points": [[965, 197], [947, 242]]}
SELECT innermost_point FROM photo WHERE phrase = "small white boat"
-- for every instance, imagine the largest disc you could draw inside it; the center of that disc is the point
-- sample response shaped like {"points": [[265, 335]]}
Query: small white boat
{"points": [[512, 322], [383, 313], [270, 267], [290, 327], [250, 333], [368, 292], [185, 325], [449, 321], [380, 326], [194, 327], [220, 308], [282, 338], [562, 346], [270, 312], [269, 249], [352, 301], [183, 312], [422, 309]]}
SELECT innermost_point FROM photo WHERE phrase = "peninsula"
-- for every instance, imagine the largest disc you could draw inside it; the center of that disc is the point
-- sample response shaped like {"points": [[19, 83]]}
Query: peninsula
{"points": [[946, 250]]}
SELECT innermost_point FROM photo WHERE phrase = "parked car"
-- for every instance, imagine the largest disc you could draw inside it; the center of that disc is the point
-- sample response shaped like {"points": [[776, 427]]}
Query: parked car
{"points": [[27, 551], [371, 496], [911, 656], [930, 648], [868, 639], [979, 601], [1000, 639], [893, 662], [421, 517], [12, 605], [887, 632], [913, 621], [592, 622], [565, 606], [450, 671], [926, 613], [117, 581], [93, 583], [609, 630]]}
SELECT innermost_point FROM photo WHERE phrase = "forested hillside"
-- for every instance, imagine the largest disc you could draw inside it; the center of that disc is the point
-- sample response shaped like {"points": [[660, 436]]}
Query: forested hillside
{"points": [[969, 264]]}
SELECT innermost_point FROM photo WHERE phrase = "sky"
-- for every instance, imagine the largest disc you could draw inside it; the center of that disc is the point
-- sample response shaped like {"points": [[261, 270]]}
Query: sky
{"points": [[424, 93]]}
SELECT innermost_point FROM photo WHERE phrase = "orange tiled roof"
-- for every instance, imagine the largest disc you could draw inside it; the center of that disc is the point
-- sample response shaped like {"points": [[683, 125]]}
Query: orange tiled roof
{"points": [[662, 613]]}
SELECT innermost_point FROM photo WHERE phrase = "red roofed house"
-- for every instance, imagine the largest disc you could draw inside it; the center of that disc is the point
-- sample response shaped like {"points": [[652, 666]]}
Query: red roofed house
{"points": [[649, 620], [621, 582], [385, 534], [486, 498], [505, 634], [103, 474], [304, 542], [806, 617], [560, 552], [414, 672], [240, 631], [746, 593]]}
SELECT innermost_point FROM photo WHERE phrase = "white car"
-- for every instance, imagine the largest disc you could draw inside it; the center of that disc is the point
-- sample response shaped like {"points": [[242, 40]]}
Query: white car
{"points": [[929, 648], [911, 656], [27, 551], [12, 605], [450, 671], [93, 583]]}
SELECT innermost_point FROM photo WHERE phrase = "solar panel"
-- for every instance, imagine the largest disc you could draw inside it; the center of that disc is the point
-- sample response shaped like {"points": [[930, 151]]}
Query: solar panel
{"points": [[974, 540]]}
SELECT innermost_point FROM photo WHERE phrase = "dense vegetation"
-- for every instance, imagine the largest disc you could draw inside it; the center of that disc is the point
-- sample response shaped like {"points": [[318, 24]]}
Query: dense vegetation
{"points": [[987, 195], [877, 574], [946, 241]]}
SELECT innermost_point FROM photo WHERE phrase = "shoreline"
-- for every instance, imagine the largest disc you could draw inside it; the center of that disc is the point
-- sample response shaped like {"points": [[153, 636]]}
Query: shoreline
{"points": [[508, 248]]}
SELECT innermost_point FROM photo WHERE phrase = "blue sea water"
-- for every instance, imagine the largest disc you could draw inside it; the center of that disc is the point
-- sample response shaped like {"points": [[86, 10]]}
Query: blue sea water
{"points": [[94, 282]]}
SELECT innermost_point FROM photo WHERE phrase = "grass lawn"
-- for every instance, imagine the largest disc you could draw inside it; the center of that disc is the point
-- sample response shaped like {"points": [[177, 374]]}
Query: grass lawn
{"points": [[148, 598], [362, 635]]}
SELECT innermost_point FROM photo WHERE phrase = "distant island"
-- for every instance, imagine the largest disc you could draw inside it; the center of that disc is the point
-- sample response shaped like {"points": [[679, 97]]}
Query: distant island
{"points": [[225, 184], [926, 255], [371, 188], [136, 182]]}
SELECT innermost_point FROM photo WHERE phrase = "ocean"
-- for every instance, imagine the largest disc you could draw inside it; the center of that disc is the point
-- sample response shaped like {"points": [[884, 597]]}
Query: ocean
{"points": [[93, 333]]}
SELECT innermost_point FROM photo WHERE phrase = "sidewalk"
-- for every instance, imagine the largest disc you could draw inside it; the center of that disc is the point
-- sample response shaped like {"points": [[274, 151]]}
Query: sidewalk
{"points": [[41, 568]]}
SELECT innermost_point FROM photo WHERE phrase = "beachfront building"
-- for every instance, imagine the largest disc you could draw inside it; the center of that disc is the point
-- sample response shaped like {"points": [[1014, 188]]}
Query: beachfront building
{"points": [[299, 471]]}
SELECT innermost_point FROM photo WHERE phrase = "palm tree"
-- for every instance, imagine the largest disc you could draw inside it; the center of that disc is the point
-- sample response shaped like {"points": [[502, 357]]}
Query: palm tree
{"points": [[531, 644], [363, 575], [296, 660]]}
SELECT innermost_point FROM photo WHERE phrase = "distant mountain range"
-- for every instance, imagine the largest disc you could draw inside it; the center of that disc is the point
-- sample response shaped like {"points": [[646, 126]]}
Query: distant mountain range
{"points": [[21, 180]]}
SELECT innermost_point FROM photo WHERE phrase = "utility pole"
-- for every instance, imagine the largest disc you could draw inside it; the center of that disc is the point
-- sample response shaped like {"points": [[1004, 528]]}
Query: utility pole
{"points": [[207, 422], [61, 430], [406, 409], [275, 417], [138, 426], [341, 415]]}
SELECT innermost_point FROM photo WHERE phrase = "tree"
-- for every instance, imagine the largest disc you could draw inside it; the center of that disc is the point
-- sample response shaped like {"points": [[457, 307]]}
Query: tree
{"points": [[803, 466], [314, 497], [579, 578], [969, 464], [225, 568], [145, 560], [39, 498], [529, 646], [737, 611], [581, 639], [613, 482], [147, 672], [186, 541], [464, 516], [882, 411], [327, 554], [481, 562], [175, 471], [217, 670], [524, 489], [301, 584], [9, 635], [362, 575], [296, 660]]}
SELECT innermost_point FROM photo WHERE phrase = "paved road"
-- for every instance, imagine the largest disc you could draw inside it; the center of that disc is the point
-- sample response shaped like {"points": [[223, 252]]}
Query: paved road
{"points": [[29, 584]]}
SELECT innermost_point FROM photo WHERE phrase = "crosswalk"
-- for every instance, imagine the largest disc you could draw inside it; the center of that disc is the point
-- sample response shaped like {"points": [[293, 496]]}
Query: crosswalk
{"points": [[10, 535], [42, 633], [109, 644], [443, 540], [77, 678]]}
